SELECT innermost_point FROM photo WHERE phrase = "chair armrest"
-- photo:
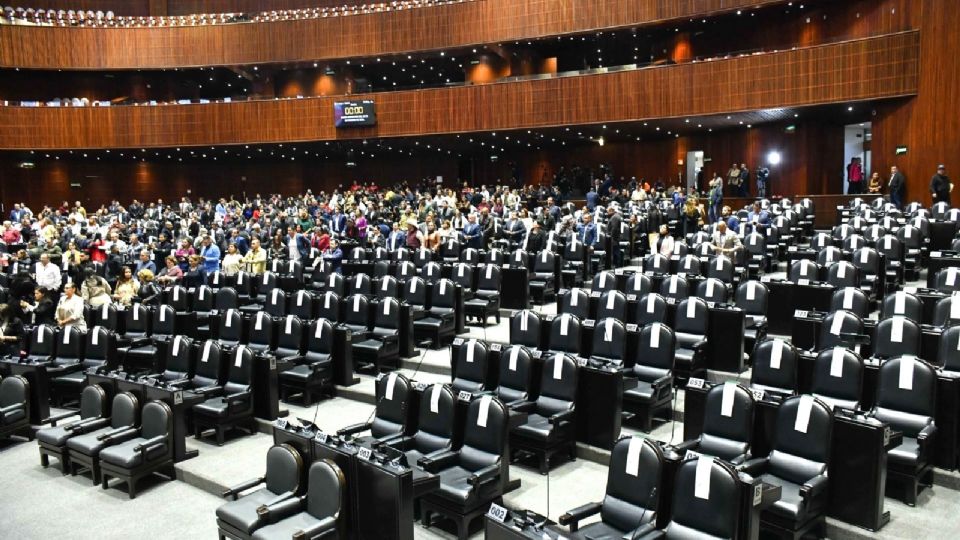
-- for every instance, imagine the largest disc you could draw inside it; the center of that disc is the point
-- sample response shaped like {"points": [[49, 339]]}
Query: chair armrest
{"points": [[926, 439], [561, 417], [572, 517], [754, 466], [85, 426], [146, 446], [118, 435], [283, 509], [441, 461], [485, 475], [525, 406], [354, 429], [398, 442], [323, 529], [237, 402], [663, 382], [243, 486], [9, 409], [812, 488], [54, 419], [691, 444], [700, 345], [928, 432], [516, 404], [208, 391]]}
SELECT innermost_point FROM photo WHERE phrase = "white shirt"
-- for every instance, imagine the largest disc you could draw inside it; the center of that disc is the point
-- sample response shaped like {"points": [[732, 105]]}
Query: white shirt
{"points": [[48, 277], [292, 248]]}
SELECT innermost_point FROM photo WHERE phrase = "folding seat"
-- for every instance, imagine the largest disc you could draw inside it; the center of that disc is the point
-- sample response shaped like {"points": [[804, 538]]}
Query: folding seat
{"points": [[656, 263], [486, 300], [15, 407], [232, 405], [609, 341], [850, 299], [94, 407], [99, 353], [83, 450], [713, 290], [836, 327], [318, 514], [630, 502], [698, 513], [947, 280], [382, 344], [415, 295], [470, 368], [526, 328], [328, 307], [727, 425], [896, 336], [649, 383], [775, 365], [435, 428], [240, 517], [313, 371], [301, 305], [462, 275], [260, 337], [472, 476], [838, 378], [230, 328], [542, 278], [691, 327], [42, 347], [798, 463], [148, 452], [392, 416], [516, 376], [565, 333], [720, 267], [612, 304], [638, 284], [803, 269], [275, 304], [440, 322], [422, 257], [357, 316], [675, 287], [650, 308]]}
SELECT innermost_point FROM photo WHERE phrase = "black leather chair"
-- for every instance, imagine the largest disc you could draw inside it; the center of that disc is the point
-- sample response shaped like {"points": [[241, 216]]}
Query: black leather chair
{"points": [[565, 330], [180, 362], [261, 332], [638, 284], [301, 305], [838, 378], [721, 267], [651, 308], [609, 341], [207, 374], [415, 293], [604, 281], [727, 425], [804, 270], [690, 328], [314, 371], [526, 328], [656, 263], [896, 336], [99, 353], [902, 303], [474, 475], [392, 416], [93, 414], [947, 280], [675, 287], [701, 516], [381, 346], [317, 514], [328, 307], [550, 424], [15, 407], [775, 365], [575, 302], [648, 387], [232, 406], [42, 346], [470, 368], [107, 316], [240, 517], [359, 284], [440, 322], [835, 325], [136, 322], [83, 451], [851, 299], [486, 299], [948, 353], [798, 463], [906, 399], [631, 500], [752, 298], [435, 428], [612, 304], [713, 290], [462, 275], [542, 278], [230, 328], [148, 452], [357, 316], [288, 343], [516, 375], [275, 303], [335, 284]]}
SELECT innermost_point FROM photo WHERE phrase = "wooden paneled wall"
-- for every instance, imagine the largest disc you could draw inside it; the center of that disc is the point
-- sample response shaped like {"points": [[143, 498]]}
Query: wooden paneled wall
{"points": [[440, 27], [867, 69]]}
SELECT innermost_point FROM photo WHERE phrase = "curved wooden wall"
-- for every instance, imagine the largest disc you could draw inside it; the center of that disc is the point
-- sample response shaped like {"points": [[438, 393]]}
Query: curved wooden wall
{"points": [[873, 68], [441, 27]]}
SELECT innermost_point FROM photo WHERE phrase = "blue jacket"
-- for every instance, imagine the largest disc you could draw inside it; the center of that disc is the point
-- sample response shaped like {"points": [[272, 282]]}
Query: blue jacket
{"points": [[211, 258], [587, 234], [334, 258], [592, 198], [396, 240], [473, 235]]}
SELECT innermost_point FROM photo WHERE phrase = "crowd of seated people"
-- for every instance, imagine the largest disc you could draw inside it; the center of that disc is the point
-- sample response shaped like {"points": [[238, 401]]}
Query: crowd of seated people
{"points": [[90, 18]]}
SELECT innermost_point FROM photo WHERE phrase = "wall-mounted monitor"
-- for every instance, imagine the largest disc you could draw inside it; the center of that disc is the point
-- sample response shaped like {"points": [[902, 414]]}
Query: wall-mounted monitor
{"points": [[354, 113]]}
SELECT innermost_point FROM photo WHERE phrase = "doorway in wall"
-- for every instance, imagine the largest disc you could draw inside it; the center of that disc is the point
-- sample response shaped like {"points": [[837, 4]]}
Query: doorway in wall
{"points": [[694, 166], [856, 144]]}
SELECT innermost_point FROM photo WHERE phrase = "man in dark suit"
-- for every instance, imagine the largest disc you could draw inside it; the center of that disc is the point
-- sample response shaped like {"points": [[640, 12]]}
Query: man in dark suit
{"points": [[514, 229], [472, 233], [940, 185], [898, 185], [397, 238], [613, 232]]}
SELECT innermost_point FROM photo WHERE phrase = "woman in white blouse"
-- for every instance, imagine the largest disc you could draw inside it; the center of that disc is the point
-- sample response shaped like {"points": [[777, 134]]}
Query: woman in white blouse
{"points": [[70, 309], [231, 261]]}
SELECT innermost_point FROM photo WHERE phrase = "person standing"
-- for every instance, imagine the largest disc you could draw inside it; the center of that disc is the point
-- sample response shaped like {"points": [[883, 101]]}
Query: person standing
{"points": [[211, 255], [939, 185], [614, 222], [744, 180], [70, 309], [854, 177], [897, 187], [47, 274]]}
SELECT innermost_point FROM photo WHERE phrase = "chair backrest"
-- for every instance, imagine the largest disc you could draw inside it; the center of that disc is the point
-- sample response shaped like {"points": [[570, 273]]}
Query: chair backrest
{"points": [[97, 348], [284, 469], [651, 308], [14, 390], [676, 287], [545, 262], [575, 302], [489, 278], [609, 339], [157, 421], [289, 335], [727, 422], [436, 419], [835, 325], [230, 326], [829, 255], [105, 315], [226, 298], [843, 274], [639, 284], [713, 290], [851, 299], [240, 372], [328, 307], [775, 364], [948, 280], [137, 319], [516, 375], [633, 484], [443, 295], [838, 378], [494, 257], [431, 272], [906, 394], [470, 256], [656, 263], [320, 337], [484, 434], [275, 302], [326, 487], [93, 402], [415, 292], [392, 415], [470, 367], [335, 284], [613, 304], [358, 310], [803, 269], [301, 305], [689, 264], [713, 513], [801, 439], [948, 354], [163, 320], [653, 358], [124, 411], [902, 303], [43, 340], [462, 275], [897, 336], [720, 267], [209, 357], [202, 298], [692, 316], [70, 343], [558, 385], [526, 329], [604, 281], [178, 297], [565, 333]]}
